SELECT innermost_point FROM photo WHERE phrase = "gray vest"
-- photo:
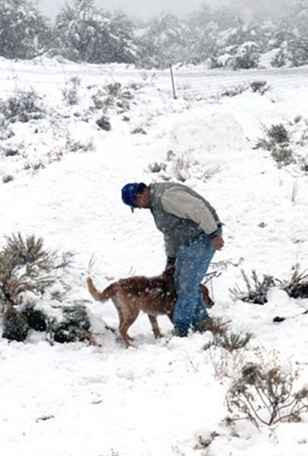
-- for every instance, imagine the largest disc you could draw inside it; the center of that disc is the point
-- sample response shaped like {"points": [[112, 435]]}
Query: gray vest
{"points": [[177, 231]]}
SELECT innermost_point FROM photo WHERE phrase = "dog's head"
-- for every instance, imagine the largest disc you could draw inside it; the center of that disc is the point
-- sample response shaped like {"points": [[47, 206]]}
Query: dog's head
{"points": [[168, 277], [206, 296]]}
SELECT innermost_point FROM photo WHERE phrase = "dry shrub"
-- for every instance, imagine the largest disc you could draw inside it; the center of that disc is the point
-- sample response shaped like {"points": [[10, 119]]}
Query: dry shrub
{"points": [[226, 350], [70, 92], [264, 394], [297, 285], [256, 289]]}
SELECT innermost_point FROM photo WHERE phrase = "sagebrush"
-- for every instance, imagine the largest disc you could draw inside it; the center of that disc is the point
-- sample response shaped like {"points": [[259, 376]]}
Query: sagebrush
{"points": [[266, 395]]}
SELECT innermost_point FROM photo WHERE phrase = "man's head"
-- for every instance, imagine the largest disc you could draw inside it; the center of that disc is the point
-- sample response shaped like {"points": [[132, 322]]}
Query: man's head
{"points": [[136, 194]]}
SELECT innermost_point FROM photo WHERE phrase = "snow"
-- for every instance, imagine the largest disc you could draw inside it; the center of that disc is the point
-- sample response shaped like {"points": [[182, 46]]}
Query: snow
{"points": [[161, 396]]}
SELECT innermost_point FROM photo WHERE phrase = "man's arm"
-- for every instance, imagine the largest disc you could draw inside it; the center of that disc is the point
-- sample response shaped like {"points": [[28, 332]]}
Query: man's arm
{"points": [[187, 206]]}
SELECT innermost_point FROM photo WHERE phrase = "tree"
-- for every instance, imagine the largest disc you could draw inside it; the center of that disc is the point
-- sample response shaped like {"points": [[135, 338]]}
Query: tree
{"points": [[24, 32], [88, 34], [163, 41]]}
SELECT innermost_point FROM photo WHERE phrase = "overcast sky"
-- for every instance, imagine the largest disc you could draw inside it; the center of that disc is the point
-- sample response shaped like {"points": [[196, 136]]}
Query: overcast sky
{"points": [[147, 8], [138, 8]]}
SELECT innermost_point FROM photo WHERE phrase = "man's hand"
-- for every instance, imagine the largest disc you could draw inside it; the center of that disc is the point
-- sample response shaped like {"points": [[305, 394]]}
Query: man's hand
{"points": [[218, 242]]}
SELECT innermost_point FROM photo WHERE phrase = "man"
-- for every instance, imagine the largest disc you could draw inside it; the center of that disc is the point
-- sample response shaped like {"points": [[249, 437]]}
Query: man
{"points": [[192, 232]]}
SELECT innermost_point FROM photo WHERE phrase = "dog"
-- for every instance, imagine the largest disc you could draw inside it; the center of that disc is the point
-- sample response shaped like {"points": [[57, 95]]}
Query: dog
{"points": [[152, 295]]}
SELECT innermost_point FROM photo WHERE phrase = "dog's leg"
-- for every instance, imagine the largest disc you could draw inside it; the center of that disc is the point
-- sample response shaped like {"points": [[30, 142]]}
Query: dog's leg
{"points": [[125, 323], [155, 327]]}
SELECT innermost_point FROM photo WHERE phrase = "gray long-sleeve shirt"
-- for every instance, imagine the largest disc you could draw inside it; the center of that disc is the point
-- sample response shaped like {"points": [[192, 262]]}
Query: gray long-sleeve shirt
{"points": [[181, 214]]}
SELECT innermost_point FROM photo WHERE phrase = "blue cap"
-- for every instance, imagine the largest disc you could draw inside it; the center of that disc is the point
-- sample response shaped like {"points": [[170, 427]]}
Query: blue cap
{"points": [[130, 191]]}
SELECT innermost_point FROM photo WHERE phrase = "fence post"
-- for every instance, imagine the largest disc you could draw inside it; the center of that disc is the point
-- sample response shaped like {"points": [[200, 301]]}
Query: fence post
{"points": [[172, 82]]}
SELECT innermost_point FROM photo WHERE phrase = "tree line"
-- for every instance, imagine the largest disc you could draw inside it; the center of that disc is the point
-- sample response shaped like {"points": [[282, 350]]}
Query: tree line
{"points": [[223, 37]]}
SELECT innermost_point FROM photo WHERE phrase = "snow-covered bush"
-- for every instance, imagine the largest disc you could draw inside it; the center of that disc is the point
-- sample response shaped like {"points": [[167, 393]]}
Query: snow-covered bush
{"points": [[181, 166], [27, 271], [283, 155], [256, 289], [113, 96], [235, 90], [73, 325], [277, 141], [265, 395], [5, 131], [33, 293], [26, 266], [71, 91], [22, 106], [78, 145], [15, 325]]}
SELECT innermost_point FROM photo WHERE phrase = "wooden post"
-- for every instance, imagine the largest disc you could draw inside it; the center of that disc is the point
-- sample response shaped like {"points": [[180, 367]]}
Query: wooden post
{"points": [[172, 82]]}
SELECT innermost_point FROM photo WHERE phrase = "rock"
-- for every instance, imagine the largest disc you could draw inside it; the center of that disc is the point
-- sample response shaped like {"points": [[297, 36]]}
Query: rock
{"points": [[10, 152], [7, 178], [138, 130], [104, 123]]}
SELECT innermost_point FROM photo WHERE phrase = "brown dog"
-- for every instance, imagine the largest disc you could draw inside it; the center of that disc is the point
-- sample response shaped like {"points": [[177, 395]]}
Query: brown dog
{"points": [[153, 295]]}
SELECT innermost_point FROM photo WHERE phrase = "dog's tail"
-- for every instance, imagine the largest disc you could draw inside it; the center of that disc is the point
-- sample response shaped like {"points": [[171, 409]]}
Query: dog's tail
{"points": [[102, 296]]}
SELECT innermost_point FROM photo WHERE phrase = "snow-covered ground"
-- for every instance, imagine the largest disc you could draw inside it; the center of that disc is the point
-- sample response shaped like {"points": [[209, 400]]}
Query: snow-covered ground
{"points": [[157, 398]]}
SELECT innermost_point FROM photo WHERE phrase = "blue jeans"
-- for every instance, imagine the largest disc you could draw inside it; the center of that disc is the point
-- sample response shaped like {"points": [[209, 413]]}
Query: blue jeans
{"points": [[192, 262]]}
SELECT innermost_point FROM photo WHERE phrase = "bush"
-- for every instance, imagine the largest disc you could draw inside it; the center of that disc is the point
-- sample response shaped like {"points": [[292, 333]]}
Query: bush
{"points": [[15, 325], [276, 135], [75, 145], [5, 130], [25, 265], [283, 155], [23, 106], [74, 325], [113, 95], [233, 91], [27, 272], [259, 87], [229, 341], [256, 290], [70, 91], [297, 285], [181, 166], [277, 141], [265, 395]]}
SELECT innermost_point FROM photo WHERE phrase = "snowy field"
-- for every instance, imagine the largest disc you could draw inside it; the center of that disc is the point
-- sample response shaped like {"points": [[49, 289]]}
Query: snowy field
{"points": [[162, 397]]}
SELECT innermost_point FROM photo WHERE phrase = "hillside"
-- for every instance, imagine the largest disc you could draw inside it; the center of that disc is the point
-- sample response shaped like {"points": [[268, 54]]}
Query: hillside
{"points": [[63, 184]]}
